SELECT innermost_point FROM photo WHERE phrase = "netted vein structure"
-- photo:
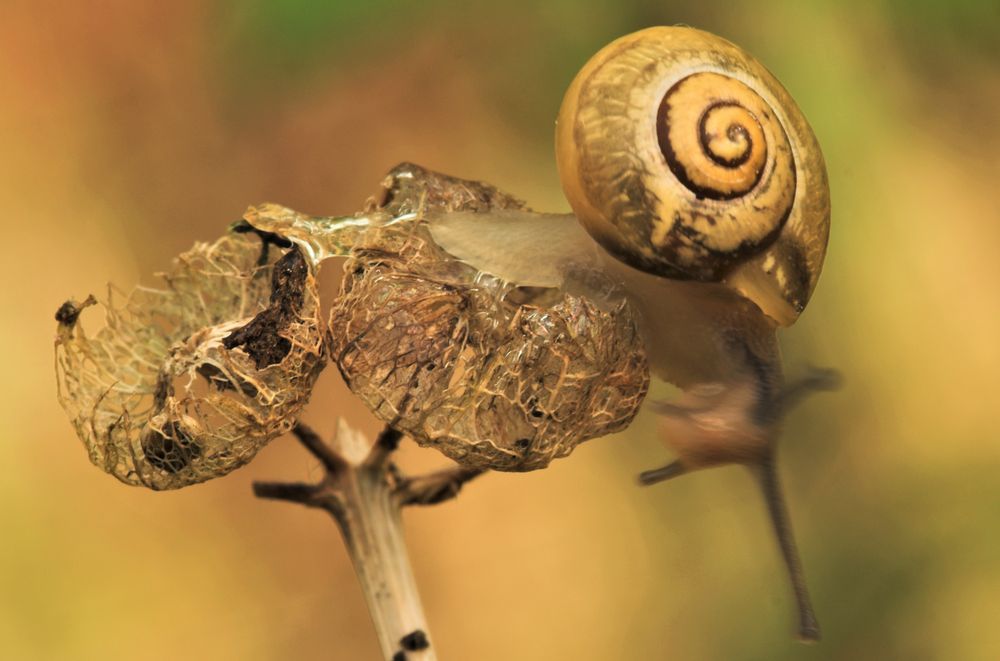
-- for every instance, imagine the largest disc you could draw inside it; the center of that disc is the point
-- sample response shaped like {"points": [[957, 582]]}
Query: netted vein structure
{"points": [[491, 374], [189, 382]]}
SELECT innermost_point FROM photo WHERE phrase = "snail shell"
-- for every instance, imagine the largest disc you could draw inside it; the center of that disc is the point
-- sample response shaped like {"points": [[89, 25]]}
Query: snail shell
{"points": [[684, 157]]}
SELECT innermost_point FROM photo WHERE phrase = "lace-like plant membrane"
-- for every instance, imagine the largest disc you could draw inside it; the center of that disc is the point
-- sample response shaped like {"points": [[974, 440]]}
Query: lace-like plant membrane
{"points": [[494, 374], [189, 382]]}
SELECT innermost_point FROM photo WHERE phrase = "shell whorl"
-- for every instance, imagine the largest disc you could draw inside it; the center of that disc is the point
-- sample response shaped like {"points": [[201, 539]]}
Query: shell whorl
{"points": [[684, 157]]}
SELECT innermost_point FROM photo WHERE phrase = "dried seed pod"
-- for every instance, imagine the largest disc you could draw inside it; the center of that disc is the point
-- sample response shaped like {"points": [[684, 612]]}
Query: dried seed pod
{"points": [[187, 383], [491, 374]]}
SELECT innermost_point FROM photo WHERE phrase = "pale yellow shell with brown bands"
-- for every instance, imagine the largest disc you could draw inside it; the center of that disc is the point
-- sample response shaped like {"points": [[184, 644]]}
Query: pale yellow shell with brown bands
{"points": [[683, 156]]}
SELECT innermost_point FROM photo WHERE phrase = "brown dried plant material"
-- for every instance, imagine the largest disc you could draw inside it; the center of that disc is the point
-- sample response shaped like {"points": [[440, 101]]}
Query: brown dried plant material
{"points": [[493, 375], [319, 237], [188, 382]]}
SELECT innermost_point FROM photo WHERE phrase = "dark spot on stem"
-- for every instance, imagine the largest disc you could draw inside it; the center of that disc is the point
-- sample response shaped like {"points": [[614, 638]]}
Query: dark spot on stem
{"points": [[415, 640]]}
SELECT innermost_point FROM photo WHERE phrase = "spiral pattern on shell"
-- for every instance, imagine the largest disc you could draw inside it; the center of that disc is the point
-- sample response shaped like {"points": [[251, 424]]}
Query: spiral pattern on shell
{"points": [[684, 157], [709, 129]]}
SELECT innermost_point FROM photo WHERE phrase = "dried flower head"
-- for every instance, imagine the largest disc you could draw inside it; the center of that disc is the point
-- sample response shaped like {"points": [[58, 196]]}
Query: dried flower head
{"points": [[189, 382], [493, 375]]}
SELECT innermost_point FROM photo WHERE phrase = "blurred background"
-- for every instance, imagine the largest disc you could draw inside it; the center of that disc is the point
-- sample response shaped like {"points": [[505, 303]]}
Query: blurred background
{"points": [[131, 129]]}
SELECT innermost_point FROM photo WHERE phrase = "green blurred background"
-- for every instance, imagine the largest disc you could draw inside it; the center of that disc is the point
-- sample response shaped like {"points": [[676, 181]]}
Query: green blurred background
{"points": [[130, 129]]}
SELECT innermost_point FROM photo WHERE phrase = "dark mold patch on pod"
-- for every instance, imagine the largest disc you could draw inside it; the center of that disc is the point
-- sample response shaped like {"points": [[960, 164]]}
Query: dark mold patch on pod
{"points": [[262, 338]]}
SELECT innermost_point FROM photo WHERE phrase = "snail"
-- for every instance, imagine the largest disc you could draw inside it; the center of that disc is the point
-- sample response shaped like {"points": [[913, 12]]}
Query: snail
{"points": [[502, 336], [684, 157], [698, 187]]}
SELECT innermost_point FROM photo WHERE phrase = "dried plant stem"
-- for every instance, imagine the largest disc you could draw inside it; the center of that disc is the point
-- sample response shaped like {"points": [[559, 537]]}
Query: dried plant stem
{"points": [[365, 493]]}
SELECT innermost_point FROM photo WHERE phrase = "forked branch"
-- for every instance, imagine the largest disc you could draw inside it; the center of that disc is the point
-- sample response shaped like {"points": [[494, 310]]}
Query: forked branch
{"points": [[365, 492]]}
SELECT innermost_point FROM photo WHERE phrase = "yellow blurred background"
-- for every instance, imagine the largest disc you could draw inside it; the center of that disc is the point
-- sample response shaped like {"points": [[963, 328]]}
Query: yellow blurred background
{"points": [[130, 129]]}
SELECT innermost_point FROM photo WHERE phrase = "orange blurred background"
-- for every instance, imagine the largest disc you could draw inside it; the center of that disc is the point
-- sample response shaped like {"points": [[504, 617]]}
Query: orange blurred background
{"points": [[131, 129]]}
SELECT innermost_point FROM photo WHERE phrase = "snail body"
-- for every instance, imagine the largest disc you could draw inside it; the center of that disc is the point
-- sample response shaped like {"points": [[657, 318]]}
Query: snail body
{"points": [[699, 190], [685, 159], [685, 324]]}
